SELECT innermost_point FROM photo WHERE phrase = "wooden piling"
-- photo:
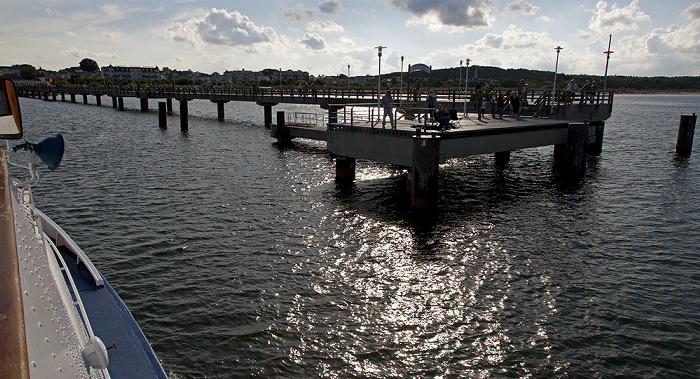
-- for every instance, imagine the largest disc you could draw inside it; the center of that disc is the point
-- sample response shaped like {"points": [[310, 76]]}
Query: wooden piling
{"points": [[120, 100], [72, 98], [425, 170], [144, 104], [596, 148], [169, 104], [98, 99], [85, 100], [220, 110], [686, 132], [502, 158], [184, 126], [162, 116], [577, 145], [63, 96], [114, 101], [344, 169], [267, 109], [282, 131]]}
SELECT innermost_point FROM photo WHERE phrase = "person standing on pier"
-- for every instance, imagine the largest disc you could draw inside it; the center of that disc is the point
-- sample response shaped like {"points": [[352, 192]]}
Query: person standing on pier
{"points": [[432, 102], [387, 103]]}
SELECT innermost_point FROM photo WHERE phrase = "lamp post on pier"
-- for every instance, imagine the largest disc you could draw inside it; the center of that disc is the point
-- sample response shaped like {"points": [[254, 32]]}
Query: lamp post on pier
{"points": [[554, 87], [466, 83], [401, 87], [605, 82], [348, 78], [459, 83], [379, 78]]}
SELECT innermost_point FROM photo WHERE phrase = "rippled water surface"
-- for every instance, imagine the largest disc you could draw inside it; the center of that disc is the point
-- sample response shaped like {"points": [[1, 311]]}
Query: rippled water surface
{"points": [[239, 258]]}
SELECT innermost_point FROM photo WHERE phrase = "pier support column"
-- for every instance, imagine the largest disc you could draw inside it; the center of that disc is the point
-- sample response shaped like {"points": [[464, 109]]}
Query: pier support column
{"points": [[220, 110], [98, 99], [72, 98], [282, 131], [120, 101], [162, 119], [144, 104], [85, 99], [268, 114], [596, 148], [425, 170], [344, 169], [46, 95], [502, 158], [686, 132], [577, 145], [53, 96], [114, 101], [63, 96], [169, 104], [184, 126]]}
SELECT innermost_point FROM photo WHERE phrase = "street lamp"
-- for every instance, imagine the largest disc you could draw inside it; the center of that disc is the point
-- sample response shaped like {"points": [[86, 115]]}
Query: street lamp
{"points": [[401, 87], [466, 83], [554, 87], [379, 78], [605, 83], [348, 78], [459, 83]]}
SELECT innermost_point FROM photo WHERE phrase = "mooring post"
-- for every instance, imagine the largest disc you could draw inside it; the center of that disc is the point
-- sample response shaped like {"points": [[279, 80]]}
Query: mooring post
{"points": [[162, 119], [144, 104], [425, 170], [183, 114], [220, 110], [267, 109], [85, 99], [120, 100], [596, 148], [577, 144], [282, 131], [686, 131], [344, 169], [502, 158]]}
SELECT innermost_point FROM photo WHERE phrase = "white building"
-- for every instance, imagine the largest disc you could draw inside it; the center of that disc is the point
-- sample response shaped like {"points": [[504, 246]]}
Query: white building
{"points": [[130, 73]]}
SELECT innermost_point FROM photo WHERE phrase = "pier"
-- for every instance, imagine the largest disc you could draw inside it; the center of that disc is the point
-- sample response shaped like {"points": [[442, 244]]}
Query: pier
{"points": [[352, 128]]}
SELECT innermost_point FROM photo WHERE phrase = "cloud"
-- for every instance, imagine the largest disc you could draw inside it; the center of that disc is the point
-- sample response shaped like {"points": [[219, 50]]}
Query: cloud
{"points": [[71, 34], [81, 53], [521, 6], [116, 34], [617, 19], [467, 14], [220, 27], [330, 7], [692, 12], [296, 14], [313, 41], [323, 26]]}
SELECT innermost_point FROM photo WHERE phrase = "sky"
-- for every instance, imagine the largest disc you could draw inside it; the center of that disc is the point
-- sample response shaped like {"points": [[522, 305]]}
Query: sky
{"points": [[323, 37]]}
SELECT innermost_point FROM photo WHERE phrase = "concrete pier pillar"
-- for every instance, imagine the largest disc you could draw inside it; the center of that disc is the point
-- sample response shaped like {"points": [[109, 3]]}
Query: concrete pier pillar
{"points": [[144, 104], [98, 99], [162, 119], [46, 95], [596, 148], [72, 98], [120, 101], [425, 170], [577, 145], [502, 158], [268, 114], [184, 126], [85, 99], [686, 132], [169, 104], [282, 131], [114, 101], [344, 169], [220, 110], [63, 96], [53, 96]]}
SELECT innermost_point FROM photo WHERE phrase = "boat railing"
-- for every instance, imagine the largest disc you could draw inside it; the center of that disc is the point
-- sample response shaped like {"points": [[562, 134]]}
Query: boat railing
{"points": [[63, 239]]}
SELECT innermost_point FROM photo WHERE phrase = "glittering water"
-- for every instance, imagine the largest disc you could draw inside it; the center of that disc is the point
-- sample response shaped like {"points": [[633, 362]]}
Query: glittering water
{"points": [[238, 258]]}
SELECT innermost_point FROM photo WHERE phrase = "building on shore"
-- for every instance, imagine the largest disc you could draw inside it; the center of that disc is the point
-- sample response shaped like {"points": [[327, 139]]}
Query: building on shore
{"points": [[130, 73]]}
